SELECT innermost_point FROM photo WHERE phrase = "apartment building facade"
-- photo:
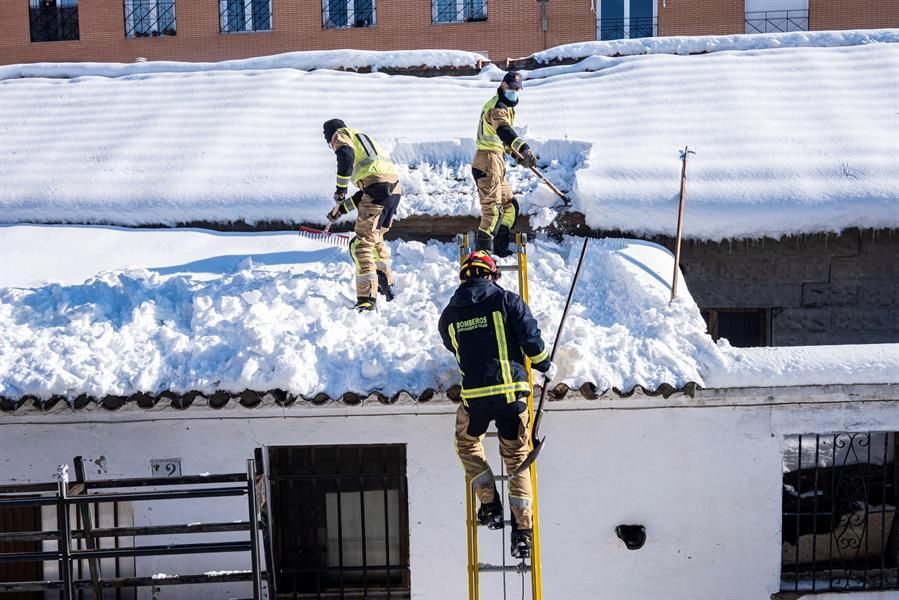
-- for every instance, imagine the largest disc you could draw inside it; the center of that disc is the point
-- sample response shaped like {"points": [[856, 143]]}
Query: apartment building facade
{"points": [[212, 30]]}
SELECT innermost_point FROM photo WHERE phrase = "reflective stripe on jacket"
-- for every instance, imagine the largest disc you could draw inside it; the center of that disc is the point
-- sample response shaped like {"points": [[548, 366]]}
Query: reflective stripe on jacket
{"points": [[487, 138], [491, 330], [369, 159]]}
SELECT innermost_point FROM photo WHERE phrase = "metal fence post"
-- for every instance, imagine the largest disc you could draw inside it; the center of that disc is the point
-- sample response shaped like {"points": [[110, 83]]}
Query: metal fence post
{"points": [[254, 528], [65, 535]]}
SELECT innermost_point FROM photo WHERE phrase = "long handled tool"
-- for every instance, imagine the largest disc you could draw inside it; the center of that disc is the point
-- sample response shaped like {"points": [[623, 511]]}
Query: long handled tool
{"points": [[680, 218], [517, 156], [537, 444]]}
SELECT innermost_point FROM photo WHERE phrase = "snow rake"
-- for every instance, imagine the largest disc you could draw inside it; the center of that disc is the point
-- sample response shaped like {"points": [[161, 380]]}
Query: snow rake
{"points": [[517, 156], [537, 444], [325, 236]]}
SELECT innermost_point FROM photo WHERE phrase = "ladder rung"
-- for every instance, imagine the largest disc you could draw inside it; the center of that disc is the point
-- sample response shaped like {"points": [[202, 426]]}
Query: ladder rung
{"points": [[521, 567], [507, 523], [500, 478], [506, 267]]}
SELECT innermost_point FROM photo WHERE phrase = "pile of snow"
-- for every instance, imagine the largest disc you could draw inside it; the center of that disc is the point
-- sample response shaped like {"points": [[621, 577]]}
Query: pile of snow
{"points": [[787, 140], [305, 61], [699, 44], [229, 317], [113, 311]]}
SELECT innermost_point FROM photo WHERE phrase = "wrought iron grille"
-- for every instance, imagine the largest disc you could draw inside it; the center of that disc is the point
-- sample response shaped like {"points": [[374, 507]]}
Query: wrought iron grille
{"points": [[458, 11], [53, 20], [245, 15], [341, 14], [774, 21], [840, 522], [149, 18], [619, 29], [340, 521]]}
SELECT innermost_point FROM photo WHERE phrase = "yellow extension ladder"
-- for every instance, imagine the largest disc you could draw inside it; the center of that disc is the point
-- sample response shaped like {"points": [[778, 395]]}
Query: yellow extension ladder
{"points": [[525, 566]]}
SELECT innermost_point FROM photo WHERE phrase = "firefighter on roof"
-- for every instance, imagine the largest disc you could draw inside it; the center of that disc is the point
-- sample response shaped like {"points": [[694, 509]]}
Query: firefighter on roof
{"points": [[361, 160], [498, 208], [490, 331]]}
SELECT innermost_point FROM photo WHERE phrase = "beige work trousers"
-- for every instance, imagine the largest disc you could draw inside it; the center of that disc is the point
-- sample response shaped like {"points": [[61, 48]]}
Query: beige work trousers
{"points": [[493, 191], [513, 452], [370, 253]]}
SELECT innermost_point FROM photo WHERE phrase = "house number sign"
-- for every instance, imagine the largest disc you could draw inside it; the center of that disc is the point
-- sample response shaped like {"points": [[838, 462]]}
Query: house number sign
{"points": [[165, 467]]}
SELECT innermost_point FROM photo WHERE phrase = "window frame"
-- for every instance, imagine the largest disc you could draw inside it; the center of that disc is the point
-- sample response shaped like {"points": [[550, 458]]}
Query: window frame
{"points": [[303, 481], [351, 21], [462, 7], [131, 7], [250, 9], [39, 17]]}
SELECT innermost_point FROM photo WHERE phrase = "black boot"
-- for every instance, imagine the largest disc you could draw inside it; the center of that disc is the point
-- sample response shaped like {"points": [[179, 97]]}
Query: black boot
{"points": [[521, 543], [501, 242], [483, 242], [384, 288], [491, 513], [364, 303]]}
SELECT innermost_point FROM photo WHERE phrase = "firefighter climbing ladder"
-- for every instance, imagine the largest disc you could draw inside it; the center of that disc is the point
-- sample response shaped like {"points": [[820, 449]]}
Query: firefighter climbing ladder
{"points": [[525, 567]]}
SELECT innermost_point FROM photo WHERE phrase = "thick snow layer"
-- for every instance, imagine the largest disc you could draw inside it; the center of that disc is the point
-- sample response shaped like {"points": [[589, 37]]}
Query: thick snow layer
{"points": [[305, 61], [257, 311], [787, 140], [103, 310], [698, 44]]}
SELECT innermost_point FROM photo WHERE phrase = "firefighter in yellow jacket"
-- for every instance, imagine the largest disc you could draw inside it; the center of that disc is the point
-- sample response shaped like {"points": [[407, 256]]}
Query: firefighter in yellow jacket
{"points": [[498, 208], [361, 160]]}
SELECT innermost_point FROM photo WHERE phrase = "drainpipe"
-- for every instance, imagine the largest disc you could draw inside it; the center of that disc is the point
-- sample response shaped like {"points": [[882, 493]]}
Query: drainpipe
{"points": [[544, 20]]}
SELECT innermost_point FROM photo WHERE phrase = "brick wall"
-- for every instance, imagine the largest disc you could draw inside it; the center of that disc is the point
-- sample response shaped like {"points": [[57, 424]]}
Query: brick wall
{"points": [[512, 30], [701, 17], [822, 289], [860, 14]]}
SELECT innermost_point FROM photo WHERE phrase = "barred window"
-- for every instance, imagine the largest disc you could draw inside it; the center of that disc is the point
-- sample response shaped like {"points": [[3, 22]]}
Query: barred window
{"points": [[339, 14], [245, 15], [53, 20], [458, 11], [149, 18], [840, 528], [340, 521]]}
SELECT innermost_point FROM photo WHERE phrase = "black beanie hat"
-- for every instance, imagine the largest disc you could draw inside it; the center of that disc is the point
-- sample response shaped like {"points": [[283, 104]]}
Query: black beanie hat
{"points": [[331, 126]]}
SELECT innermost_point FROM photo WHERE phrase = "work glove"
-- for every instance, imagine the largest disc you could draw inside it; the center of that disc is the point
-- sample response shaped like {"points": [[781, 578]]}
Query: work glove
{"points": [[340, 195], [335, 213], [528, 158], [550, 372]]}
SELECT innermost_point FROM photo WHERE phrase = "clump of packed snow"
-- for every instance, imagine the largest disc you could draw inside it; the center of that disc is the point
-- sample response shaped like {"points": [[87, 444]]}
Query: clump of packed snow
{"points": [[699, 44], [788, 140], [283, 318], [306, 60]]}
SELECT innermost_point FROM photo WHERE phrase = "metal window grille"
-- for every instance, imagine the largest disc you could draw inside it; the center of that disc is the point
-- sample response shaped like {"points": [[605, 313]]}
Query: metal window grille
{"points": [[458, 11], [340, 521], [341, 14], [635, 27], [840, 521], [774, 21], [245, 15], [53, 20], [149, 18]]}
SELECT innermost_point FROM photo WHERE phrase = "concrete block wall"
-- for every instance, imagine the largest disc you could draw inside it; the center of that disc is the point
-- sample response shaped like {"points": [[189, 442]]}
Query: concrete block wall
{"points": [[820, 289]]}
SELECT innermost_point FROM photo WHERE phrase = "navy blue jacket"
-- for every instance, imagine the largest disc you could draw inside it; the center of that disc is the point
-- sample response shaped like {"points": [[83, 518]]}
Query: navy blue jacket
{"points": [[491, 330]]}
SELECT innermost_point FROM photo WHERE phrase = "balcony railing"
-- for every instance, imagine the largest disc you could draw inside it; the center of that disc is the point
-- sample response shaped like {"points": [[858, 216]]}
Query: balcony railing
{"points": [[619, 29], [776, 21]]}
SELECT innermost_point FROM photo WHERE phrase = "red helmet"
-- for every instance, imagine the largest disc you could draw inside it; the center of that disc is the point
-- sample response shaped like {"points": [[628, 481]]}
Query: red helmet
{"points": [[478, 264]]}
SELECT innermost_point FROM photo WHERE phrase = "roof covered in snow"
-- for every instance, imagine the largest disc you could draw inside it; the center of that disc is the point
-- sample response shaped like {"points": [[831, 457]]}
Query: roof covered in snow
{"points": [[787, 139], [180, 317]]}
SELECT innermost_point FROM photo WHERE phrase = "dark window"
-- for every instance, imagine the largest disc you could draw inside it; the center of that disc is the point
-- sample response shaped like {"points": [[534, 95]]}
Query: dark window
{"points": [[149, 18], [340, 521], [13, 519], [53, 20], [612, 25], [742, 327], [337, 14], [458, 11], [840, 522], [245, 15]]}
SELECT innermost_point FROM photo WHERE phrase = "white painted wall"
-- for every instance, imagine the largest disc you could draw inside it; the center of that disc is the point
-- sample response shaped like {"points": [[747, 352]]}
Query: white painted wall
{"points": [[703, 475]]}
